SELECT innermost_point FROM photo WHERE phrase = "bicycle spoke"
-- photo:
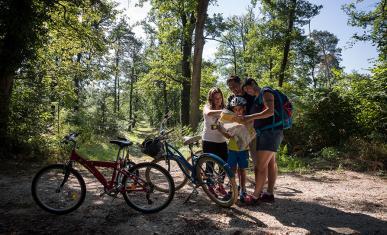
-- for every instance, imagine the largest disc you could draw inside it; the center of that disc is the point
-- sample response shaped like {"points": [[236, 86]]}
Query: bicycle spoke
{"points": [[215, 182], [141, 192], [56, 195]]}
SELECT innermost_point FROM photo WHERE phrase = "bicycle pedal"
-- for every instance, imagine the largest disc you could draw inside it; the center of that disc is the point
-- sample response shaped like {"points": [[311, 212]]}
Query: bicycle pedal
{"points": [[194, 192]]}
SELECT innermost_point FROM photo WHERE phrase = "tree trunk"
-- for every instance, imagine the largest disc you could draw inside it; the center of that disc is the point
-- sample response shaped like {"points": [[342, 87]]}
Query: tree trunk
{"points": [[185, 96], [116, 84], [234, 59], [131, 101], [288, 40], [197, 62], [16, 44], [165, 96], [186, 67], [314, 79], [77, 87], [270, 68], [6, 83]]}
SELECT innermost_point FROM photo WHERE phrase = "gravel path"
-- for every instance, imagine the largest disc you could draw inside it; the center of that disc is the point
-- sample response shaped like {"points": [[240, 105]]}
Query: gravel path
{"points": [[322, 202]]}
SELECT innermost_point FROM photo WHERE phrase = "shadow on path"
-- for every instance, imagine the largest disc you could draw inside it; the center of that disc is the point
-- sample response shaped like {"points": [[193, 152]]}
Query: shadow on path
{"points": [[318, 218]]}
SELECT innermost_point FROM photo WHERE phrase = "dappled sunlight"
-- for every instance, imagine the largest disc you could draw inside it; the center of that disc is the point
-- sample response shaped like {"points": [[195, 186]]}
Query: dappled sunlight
{"points": [[134, 79]]}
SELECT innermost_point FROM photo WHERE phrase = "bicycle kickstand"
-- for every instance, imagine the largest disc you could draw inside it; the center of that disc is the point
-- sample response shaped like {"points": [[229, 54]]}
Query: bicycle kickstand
{"points": [[194, 192]]}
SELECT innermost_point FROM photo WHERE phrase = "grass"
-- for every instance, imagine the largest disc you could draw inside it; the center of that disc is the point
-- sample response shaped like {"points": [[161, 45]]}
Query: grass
{"points": [[288, 163], [98, 151], [328, 158], [98, 148]]}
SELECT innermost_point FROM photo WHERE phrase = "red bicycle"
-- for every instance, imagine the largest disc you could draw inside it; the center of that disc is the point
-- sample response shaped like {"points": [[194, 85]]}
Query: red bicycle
{"points": [[60, 188]]}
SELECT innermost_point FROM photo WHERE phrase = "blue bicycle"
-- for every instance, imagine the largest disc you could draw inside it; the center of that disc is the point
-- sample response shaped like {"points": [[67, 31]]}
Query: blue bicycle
{"points": [[202, 169]]}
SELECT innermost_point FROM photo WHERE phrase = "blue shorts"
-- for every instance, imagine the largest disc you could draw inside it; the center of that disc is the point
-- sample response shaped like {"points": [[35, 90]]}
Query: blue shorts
{"points": [[238, 158], [269, 140]]}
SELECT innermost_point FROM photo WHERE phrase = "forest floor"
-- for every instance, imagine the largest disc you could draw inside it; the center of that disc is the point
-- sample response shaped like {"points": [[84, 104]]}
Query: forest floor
{"points": [[330, 202]]}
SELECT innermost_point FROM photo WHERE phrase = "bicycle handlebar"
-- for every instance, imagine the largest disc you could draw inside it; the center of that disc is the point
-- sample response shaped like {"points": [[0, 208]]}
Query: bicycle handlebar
{"points": [[163, 134], [70, 137], [168, 132]]}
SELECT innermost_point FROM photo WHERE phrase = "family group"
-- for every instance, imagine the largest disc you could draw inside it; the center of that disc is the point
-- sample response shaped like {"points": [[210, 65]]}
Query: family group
{"points": [[259, 110]]}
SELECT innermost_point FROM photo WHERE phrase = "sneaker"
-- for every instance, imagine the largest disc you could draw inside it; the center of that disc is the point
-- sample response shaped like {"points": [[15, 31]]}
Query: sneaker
{"points": [[221, 190], [266, 197], [251, 200], [242, 197]]}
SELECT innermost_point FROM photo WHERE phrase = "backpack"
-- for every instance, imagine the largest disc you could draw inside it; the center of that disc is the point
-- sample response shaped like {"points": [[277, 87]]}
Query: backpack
{"points": [[284, 112]]}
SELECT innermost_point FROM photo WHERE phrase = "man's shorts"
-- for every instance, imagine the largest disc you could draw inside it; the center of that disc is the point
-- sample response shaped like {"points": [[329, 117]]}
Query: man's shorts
{"points": [[238, 159], [269, 140]]}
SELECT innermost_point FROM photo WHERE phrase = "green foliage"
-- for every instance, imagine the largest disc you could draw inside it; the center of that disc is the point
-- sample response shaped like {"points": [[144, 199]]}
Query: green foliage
{"points": [[322, 119], [82, 68], [330, 153], [373, 22], [367, 95], [288, 163]]}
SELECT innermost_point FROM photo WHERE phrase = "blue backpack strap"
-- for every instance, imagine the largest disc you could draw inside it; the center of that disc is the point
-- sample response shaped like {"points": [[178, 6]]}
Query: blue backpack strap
{"points": [[281, 114], [260, 101]]}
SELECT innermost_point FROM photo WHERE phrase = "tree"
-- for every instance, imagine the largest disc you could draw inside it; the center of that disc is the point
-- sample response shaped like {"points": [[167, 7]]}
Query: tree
{"points": [[232, 37], [373, 23], [201, 12], [329, 54], [124, 44], [172, 55], [21, 32], [306, 62], [292, 15]]}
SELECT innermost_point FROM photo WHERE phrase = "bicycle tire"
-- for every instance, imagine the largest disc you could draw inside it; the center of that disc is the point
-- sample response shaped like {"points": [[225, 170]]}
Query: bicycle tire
{"points": [[139, 181], [178, 176], [228, 194], [74, 189]]}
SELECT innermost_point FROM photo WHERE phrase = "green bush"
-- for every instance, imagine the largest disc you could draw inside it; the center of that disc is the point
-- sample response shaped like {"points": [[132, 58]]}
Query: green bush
{"points": [[288, 163], [330, 153], [322, 119]]}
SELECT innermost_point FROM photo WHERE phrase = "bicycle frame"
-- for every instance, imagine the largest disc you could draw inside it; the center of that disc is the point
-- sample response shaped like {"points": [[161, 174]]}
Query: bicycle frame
{"points": [[174, 154], [91, 165]]}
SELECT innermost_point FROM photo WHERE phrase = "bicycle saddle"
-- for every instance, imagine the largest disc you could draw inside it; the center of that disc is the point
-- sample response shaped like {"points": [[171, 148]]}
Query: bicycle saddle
{"points": [[191, 140], [121, 143]]}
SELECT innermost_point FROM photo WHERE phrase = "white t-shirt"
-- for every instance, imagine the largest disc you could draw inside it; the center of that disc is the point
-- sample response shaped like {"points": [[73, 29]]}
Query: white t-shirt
{"points": [[208, 133]]}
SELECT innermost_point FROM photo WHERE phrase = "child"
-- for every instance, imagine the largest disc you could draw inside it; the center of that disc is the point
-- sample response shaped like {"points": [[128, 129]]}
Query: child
{"points": [[238, 153]]}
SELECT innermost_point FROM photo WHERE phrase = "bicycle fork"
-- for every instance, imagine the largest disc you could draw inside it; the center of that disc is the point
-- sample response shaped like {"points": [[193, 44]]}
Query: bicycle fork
{"points": [[66, 176]]}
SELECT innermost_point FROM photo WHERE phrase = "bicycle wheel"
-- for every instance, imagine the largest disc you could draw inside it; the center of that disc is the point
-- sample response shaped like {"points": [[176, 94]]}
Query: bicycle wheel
{"points": [[179, 178], [55, 194], [216, 183], [140, 192]]}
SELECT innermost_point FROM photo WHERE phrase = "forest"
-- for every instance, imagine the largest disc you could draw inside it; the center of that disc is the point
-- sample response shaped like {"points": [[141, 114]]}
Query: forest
{"points": [[72, 65]]}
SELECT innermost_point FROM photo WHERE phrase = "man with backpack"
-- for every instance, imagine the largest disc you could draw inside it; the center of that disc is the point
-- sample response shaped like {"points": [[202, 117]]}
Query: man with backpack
{"points": [[270, 118]]}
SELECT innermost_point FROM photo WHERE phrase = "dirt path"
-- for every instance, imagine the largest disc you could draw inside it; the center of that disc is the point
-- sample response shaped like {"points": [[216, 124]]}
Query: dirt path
{"points": [[322, 202]]}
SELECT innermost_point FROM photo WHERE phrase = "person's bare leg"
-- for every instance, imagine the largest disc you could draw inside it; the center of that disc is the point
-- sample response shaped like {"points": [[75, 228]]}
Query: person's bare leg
{"points": [[237, 170], [253, 151], [264, 158], [242, 182], [272, 174], [234, 170]]}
